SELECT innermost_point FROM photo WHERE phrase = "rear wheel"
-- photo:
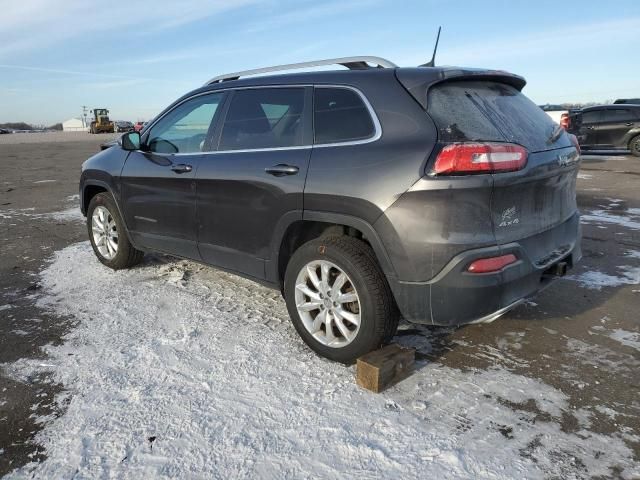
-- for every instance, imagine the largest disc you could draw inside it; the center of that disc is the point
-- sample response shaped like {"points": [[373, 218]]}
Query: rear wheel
{"points": [[634, 146], [107, 234], [338, 299]]}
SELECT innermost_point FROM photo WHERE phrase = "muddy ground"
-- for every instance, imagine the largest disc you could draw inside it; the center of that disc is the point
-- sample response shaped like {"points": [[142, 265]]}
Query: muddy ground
{"points": [[581, 335]]}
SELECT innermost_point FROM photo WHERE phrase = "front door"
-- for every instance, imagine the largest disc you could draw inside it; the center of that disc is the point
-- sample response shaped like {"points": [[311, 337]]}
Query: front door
{"points": [[158, 181], [615, 125], [255, 177]]}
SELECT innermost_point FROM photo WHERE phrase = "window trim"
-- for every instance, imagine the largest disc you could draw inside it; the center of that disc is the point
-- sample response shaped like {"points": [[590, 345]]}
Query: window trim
{"points": [[374, 117]]}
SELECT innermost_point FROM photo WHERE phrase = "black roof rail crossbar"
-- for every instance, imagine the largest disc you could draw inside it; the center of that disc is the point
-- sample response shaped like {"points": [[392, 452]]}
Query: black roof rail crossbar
{"points": [[352, 63]]}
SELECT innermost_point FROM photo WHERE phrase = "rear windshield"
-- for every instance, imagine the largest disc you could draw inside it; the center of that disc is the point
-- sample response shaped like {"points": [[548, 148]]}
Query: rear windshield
{"points": [[488, 111]]}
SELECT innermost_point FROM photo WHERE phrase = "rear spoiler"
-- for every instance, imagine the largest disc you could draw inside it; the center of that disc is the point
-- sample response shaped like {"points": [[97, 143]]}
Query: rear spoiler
{"points": [[419, 80]]}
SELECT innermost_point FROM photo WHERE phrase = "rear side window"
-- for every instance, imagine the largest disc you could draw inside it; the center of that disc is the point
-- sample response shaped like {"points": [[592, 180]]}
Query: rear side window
{"points": [[340, 115], [264, 118], [489, 111], [617, 115]]}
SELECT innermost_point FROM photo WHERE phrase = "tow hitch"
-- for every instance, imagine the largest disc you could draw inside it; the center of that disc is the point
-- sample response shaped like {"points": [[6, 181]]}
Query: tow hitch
{"points": [[557, 270]]}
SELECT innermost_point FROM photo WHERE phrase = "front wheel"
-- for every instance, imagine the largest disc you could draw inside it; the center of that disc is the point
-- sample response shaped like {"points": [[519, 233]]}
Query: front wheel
{"points": [[634, 146], [107, 234], [338, 298]]}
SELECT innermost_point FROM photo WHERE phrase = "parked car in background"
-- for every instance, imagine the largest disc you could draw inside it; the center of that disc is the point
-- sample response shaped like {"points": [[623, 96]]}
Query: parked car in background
{"points": [[139, 126], [123, 126], [5, 131], [624, 101], [608, 127], [362, 195], [558, 114]]}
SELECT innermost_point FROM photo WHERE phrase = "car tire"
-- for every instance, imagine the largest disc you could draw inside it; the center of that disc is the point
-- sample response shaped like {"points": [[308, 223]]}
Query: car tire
{"points": [[363, 297], [107, 234], [634, 146]]}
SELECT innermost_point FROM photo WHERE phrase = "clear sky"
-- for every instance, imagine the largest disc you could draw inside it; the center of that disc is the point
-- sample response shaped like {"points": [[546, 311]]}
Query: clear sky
{"points": [[136, 57]]}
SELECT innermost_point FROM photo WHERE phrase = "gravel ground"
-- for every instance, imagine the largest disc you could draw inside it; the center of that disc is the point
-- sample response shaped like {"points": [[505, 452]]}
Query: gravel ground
{"points": [[579, 339], [55, 137]]}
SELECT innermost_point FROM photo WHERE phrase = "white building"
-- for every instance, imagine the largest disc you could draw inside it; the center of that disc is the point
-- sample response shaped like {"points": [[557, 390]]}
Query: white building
{"points": [[74, 125]]}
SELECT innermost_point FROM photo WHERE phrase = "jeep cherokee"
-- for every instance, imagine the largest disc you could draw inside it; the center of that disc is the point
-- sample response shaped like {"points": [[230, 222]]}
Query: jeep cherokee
{"points": [[438, 194]]}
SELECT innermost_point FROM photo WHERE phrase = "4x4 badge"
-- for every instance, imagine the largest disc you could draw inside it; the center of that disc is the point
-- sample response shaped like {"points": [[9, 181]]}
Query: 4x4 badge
{"points": [[508, 217], [566, 160]]}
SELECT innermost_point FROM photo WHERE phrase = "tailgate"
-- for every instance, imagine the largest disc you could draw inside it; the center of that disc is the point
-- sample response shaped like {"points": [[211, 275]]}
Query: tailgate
{"points": [[529, 201], [535, 200]]}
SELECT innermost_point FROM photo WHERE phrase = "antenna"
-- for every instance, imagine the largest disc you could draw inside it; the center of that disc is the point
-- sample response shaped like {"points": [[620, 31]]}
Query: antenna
{"points": [[432, 62]]}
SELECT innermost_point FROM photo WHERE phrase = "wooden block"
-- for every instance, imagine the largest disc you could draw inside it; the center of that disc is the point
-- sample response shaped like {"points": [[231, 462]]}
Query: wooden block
{"points": [[382, 368]]}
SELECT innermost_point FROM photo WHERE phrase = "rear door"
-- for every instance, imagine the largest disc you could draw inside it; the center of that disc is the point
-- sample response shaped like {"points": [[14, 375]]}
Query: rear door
{"points": [[158, 182], [255, 178], [538, 197], [615, 124]]}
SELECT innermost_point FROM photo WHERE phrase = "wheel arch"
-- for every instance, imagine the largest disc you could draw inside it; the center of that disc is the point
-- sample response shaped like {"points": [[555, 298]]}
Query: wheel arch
{"points": [[297, 228], [91, 188], [631, 134]]}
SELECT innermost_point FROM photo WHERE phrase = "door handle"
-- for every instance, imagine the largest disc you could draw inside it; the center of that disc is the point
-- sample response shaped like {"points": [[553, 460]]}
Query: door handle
{"points": [[281, 170], [591, 128], [629, 124], [181, 168]]}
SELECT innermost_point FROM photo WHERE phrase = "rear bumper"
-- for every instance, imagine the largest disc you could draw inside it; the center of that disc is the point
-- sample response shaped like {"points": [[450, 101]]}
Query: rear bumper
{"points": [[455, 297]]}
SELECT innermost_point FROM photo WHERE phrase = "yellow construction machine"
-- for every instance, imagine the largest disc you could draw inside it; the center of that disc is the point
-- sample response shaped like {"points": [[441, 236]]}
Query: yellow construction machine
{"points": [[101, 122]]}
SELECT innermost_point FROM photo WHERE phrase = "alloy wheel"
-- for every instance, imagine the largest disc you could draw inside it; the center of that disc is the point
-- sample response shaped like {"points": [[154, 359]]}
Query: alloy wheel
{"points": [[105, 232], [328, 303]]}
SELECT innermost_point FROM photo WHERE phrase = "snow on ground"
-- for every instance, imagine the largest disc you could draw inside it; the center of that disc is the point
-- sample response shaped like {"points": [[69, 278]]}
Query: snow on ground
{"points": [[630, 339], [631, 220], [633, 254], [595, 280], [70, 214], [625, 274], [178, 370]]}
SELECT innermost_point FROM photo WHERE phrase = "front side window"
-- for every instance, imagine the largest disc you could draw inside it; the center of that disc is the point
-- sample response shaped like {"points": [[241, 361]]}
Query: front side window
{"points": [[340, 115], [264, 118], [184, 129]]}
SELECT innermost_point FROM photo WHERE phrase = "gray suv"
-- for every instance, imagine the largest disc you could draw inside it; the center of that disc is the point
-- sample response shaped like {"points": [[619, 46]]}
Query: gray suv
{"points": [[440, 195]]}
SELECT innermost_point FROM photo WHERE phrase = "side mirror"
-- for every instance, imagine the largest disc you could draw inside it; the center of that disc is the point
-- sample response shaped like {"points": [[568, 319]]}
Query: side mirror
{"points": [[130, 141]]}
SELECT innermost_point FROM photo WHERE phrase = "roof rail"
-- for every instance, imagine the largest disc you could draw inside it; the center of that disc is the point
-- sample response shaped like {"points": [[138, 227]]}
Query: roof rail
{"points": [[352, 63]]}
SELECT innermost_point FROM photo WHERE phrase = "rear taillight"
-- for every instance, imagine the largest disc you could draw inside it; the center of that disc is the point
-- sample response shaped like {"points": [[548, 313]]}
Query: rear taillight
{"points": [[574, 140], [461, 158], [492, 264], [565, 121]]}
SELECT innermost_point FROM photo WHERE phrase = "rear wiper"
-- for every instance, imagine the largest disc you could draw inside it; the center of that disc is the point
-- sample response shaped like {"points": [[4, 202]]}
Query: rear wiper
{"points": [[555, 135]]}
